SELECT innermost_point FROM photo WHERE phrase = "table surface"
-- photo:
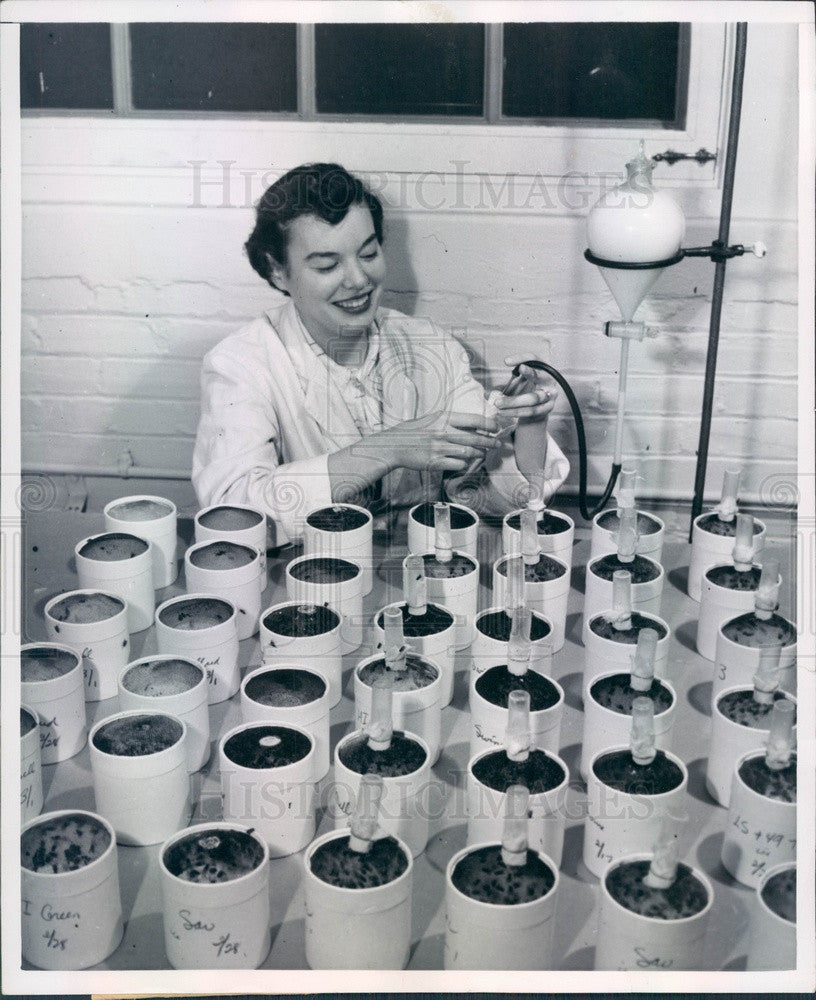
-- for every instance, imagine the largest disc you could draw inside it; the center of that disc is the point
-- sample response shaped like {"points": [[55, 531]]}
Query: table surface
{"points": [[48, 569]]}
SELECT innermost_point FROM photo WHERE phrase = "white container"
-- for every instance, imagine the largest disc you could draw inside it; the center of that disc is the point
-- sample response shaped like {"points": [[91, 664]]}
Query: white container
{"points": [[146, 798], [619, 823], [736, 664], [729, 741], [421, 537], [313, 717], [279, 802], [60, 704], [216, 925], [547, 812], [493, 936], [418, 712], [604, 728], [31, 790], [629, 941], [489, 721], [357, 928], [457, 594], [72, 919], [488, 652], [605, 539], [603, 655], [708, 550], [186, 698], [104, 645], [773, 938], [161, 531], [129, 578], [321, 652], [404, 811], [759, 832], [344, 596], [253, 535], [439, 647], [356, 544], [718, 605], [558, 544], [646, 596], [214, 647], [242, 585], [549, 597]]}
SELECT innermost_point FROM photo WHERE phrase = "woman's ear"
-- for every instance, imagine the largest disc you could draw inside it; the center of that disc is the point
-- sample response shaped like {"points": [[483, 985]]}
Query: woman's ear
{"points": [[277, 274]]}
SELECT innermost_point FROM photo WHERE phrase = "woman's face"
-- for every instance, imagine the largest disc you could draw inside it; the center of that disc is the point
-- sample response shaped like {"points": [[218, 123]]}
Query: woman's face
{"points": [[334, 274]]}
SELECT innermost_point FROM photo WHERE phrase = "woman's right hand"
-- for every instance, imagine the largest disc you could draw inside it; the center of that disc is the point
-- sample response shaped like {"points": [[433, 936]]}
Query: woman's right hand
{"points": [[440, 441]]}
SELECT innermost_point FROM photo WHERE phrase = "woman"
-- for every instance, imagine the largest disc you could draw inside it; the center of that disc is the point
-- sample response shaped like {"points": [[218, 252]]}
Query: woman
{"points": [[330, 397]]}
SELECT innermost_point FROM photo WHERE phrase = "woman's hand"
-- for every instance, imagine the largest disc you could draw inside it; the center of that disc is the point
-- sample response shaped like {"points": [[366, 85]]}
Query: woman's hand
{"points": [[531, 394], [440, 441]]}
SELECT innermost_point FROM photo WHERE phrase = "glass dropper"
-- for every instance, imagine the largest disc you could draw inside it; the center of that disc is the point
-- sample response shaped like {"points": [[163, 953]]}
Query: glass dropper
{"points": [[363, 823]]}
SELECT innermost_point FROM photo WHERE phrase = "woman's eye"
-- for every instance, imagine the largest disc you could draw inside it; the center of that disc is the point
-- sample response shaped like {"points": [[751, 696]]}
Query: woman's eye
{"points": [[370, 255], [328, 267]]}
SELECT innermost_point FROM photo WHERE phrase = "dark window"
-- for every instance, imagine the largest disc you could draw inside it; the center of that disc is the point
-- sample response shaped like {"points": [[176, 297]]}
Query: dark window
{"points": [[400, 69], [65, 66], [214, 67], [595, 71]]}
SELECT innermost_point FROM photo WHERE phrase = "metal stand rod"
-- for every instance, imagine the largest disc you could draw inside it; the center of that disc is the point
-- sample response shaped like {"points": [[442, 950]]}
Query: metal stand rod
{"points": [[719, 272]]}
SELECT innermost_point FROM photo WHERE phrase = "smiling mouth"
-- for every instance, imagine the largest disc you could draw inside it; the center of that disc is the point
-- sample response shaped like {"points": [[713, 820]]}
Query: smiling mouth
{"points": [[358, 304]]}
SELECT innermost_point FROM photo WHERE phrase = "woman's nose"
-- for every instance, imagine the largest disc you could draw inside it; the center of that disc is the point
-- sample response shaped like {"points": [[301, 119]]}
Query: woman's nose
{"points": [[353, 275]]}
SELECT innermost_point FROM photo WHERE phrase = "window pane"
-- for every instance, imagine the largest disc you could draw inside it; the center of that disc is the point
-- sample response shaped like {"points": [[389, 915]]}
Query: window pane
{"points": [[400, 69], [214, 67], [65, 66], [600, 71]]}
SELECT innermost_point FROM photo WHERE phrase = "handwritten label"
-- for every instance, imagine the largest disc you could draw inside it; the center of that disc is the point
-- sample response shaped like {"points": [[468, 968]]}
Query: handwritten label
{"points": [[765, 847], [601, 852], [194, 925], [225, 946], [209, 666], [48, 738], [48, 913], [645, 962], [53, 940], [487, 739]]}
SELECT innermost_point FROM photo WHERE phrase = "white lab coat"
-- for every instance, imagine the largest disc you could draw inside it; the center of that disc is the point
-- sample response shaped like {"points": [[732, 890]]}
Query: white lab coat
{"points": [[270, 416]]}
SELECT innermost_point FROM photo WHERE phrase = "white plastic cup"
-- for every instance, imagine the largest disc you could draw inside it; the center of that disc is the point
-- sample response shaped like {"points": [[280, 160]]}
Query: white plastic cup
{"points": [[603, 655], [547, 811], [631, 942], [223, 525], [214, 647], [104, 645], [492, 936], [558, 544], [773, 938], [421, 537], [31, 789], [242, 585], [60, 704], [189, 702], [646, 596], [356, 544], [216, 925], [321, 652], [357, 928], [489, 721], [418, 712], [604, 728], [312, 716], [549, 597], [729, 741], [718, 605], [605, 539], [737, 664], [404, 811], [487, 652], [129, 578], [72, 919], [457, 594], [146, 798], [708, 550], [618, 823], [439, 647], [344, 596], [162, 531], [279, 802], [759, 832]]}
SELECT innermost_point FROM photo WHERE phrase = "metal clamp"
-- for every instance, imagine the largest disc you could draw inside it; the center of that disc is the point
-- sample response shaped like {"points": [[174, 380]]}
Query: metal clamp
{"points": [[671, 157]]}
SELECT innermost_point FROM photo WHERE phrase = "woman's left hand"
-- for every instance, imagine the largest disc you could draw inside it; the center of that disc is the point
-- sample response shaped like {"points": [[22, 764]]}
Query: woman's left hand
{"points": [[531, 394]]}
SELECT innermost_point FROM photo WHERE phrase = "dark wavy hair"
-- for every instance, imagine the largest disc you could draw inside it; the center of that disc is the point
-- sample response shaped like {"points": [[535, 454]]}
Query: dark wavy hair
{"points": [[325, 190]]}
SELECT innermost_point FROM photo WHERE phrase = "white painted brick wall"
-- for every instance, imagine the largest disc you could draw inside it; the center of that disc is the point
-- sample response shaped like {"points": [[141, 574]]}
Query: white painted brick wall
{"points": [[122, 297]]}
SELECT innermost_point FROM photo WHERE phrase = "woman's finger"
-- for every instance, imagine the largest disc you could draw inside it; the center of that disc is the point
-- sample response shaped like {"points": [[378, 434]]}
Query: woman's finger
{"points": [[481, 441], [513, 404], [472, 422]]}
